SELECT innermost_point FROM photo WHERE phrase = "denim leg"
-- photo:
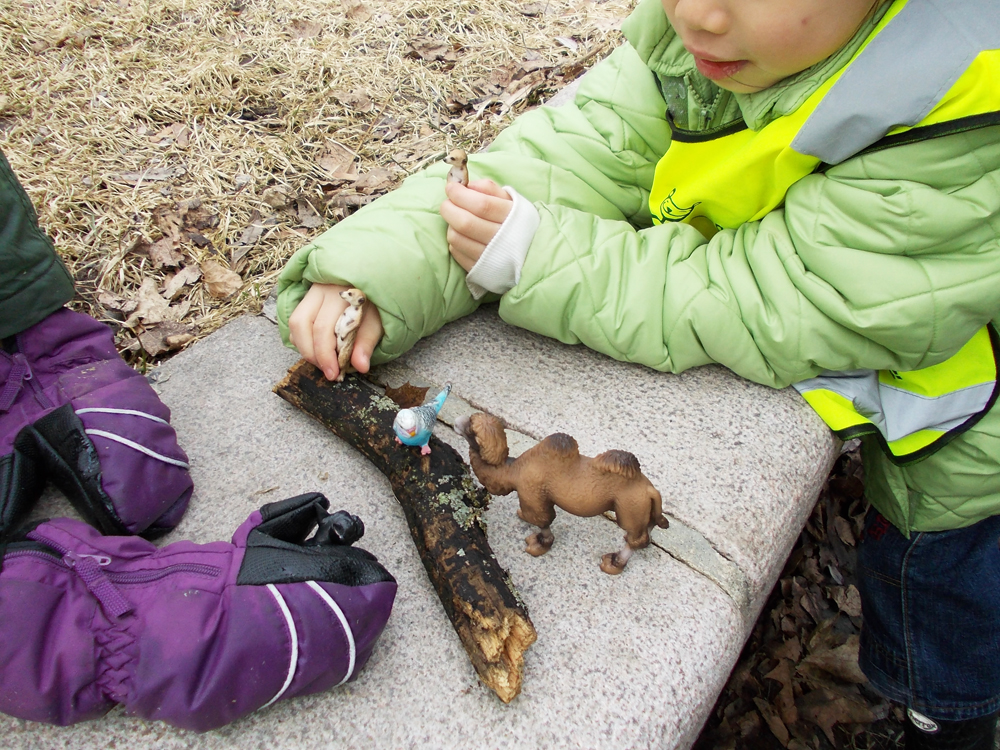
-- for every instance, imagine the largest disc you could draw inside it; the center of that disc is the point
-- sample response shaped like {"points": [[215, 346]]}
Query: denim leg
{"points": [[931, 608]]}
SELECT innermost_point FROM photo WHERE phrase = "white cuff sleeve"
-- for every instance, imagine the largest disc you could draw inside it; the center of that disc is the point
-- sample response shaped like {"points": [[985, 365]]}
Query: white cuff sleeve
{"points": [[499, 267]]}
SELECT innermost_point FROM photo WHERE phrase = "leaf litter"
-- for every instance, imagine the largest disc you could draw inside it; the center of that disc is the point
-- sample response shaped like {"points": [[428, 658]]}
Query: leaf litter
{"points": [[220, 138], [797, 684]]}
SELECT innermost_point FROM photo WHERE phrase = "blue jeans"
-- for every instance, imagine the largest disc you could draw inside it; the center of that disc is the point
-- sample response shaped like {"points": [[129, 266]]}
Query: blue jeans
{"points": [[931, 608]]}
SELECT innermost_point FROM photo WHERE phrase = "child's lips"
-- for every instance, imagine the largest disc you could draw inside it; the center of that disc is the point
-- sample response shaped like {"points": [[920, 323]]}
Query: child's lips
{"points": [[716, 70]]}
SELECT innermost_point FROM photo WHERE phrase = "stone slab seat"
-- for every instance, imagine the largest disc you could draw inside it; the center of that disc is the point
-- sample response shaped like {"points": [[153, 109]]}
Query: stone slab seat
{"points": [[632, 661]]}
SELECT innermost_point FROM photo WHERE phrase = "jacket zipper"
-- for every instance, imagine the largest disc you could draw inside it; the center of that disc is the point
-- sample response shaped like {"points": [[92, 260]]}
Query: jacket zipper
{"points": [[69, 560], [17, 359]]}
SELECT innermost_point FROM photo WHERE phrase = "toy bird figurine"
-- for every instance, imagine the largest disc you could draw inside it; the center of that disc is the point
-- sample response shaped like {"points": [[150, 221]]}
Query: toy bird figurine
{"points": [[459, 171], [413, 426]]}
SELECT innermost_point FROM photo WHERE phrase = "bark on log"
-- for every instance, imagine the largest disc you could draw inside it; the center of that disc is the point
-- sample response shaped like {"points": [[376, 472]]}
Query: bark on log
{"points": [[444, 509]]}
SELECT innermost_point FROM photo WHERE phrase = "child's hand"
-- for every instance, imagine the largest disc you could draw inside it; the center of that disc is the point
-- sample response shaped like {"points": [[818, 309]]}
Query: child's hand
{"points": [[311, 329], [474, 215]]}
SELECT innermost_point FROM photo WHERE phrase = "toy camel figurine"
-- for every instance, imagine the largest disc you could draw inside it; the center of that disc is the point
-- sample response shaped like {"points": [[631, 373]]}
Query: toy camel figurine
{"points": [[553, 473]]}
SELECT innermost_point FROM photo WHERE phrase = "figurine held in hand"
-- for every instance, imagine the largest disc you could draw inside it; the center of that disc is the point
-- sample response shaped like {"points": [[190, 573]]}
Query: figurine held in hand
{"points": [[414, 426], [459, 162], [553, 473], [346, 329]]}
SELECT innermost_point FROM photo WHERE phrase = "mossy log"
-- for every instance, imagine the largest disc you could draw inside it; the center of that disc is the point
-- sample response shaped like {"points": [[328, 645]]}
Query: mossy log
{"points": [[444, 509]]}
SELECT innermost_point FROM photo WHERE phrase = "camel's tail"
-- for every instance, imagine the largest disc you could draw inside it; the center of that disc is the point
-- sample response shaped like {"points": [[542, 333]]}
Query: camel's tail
{"points": [[656, 517]]}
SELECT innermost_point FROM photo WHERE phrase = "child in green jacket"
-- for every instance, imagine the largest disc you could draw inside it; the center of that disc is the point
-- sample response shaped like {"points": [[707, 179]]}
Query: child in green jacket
{"points": [[783, 187]]}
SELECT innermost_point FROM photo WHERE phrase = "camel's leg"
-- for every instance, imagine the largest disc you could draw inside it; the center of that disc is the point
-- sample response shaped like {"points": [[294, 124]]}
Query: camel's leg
{"points": [[633, 518], [539, 543], [539, 511], [614, 563]]}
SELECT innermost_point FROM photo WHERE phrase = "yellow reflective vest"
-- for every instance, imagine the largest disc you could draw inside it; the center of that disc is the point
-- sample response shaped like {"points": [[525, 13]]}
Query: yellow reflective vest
{"points": [[724, 178]]}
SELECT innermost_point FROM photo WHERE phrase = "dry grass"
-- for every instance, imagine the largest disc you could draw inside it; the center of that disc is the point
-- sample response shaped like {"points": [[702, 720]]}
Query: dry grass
{"points": [[210, 129]]}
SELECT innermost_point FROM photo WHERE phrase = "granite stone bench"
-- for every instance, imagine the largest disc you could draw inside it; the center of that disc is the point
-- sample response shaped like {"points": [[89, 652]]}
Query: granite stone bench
{"points": [[635, 660]]}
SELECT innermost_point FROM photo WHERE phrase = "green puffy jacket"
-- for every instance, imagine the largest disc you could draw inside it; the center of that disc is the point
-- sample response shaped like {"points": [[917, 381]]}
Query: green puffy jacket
{"points": [[33, 280], [890, 260]]}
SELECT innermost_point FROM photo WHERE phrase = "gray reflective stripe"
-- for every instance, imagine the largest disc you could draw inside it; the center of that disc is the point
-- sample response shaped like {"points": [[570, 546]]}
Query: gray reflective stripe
{"points": [[897, 412], [352, 651], [900, 76], [139, 447], [293, 638]]}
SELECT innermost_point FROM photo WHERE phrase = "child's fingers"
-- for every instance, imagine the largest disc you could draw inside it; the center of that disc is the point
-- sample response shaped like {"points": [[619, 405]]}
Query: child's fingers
{"points": [[324, 335], [464, 250], [369, 333], [488, 187], [467, 224], [311, 326], [488, 206], [300, 324]]}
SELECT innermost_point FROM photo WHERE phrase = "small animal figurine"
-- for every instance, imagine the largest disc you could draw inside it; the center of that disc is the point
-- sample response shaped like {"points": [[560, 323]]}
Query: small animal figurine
{"points": [[414, 426], [553, 473], [459, 171], [346, 329]]}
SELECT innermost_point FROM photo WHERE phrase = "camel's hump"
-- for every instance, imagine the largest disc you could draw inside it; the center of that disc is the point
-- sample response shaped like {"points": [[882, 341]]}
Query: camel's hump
{"points": [[618, 462], [562, 445]]}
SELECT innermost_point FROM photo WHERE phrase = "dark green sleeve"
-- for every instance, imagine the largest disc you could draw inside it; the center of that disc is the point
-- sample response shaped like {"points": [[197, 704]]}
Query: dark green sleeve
{"points": [[33, 280]]}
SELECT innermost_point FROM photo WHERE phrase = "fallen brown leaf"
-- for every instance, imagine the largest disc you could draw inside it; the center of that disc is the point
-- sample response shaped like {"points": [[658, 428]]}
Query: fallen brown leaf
{"points": [[356, 11], [843, 527], [150, 308], [848, 599], [532, 10], [810, 569], [790, 649], [114, 302], [785, 701], [76, 39], [308, 216], [748, 725], [811, 605], [431, 50], [338, 161], [377, 179], [165, 337], [169, 221], [253, 231], [178, 133], [220, 281], [184, 277], [406, 396], [841, 662], [276, 196], [302, 29], [357, 100], [773, 721], [165, 253], [153, 174], [826, 709]]}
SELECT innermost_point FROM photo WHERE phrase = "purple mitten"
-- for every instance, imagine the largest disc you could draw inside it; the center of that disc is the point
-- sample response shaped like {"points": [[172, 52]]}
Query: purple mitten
{"points": [[196, 635], [73, 411]]}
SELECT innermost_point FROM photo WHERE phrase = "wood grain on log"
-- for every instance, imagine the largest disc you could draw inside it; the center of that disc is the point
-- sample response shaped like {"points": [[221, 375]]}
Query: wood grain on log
{"points": [[444, 509]]}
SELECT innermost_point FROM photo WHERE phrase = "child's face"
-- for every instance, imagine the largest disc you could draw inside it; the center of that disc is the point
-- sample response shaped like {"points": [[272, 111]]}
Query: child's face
{"points": [[748, 45]]}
